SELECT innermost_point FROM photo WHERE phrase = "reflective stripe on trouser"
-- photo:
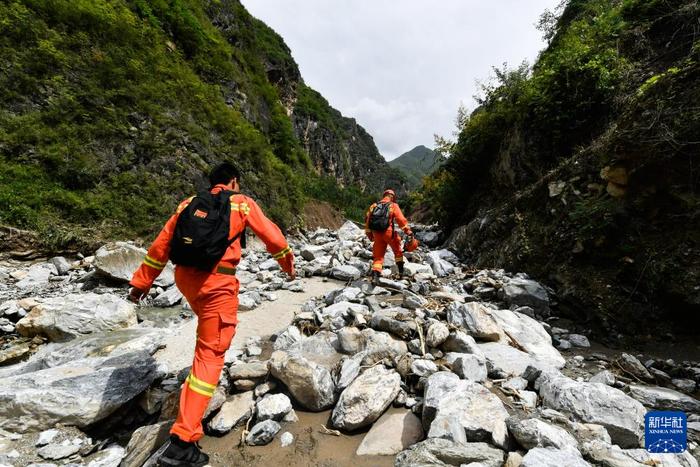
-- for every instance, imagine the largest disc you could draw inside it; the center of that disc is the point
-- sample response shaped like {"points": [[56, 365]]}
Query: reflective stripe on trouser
{"points": [[381, 241], [214, 298]]}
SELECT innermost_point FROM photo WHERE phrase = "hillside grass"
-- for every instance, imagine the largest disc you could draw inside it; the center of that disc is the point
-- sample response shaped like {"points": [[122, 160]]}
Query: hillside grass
{"points": [[111, 111]]}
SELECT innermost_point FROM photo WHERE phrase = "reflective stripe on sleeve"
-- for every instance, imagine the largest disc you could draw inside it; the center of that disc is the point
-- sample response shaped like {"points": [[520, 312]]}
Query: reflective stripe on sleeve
{"points": [[154, 263], [240, 207]]}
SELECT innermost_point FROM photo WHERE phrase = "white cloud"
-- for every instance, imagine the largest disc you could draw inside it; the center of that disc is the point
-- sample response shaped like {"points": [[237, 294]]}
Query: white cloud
{"points": [[401, 68]]}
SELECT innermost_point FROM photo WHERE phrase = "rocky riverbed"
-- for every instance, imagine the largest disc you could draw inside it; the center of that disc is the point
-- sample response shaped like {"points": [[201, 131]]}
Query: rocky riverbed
{"points": [[450, 366]]}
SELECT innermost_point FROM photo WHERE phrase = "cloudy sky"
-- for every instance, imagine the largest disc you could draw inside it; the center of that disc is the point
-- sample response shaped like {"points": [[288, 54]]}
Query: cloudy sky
{"points": [[402, 67]]}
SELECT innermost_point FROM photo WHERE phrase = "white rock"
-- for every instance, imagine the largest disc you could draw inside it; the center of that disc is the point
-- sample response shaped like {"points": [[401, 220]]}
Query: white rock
{"points": [[78, 393], [46, 437], [476, 319], [273, 407], [111, 456], [525, 292], [346, 273], [552, 457], [262, 433], [391, 434], [309, 383], [621, 415], [37, 275], [532, 432], [64, 318], [366, 398], [659, 398], [120, 260], [436, 452], [479, 411], [470, 367], [170, 297], [529, 335], [438, 332], [286, 439]]}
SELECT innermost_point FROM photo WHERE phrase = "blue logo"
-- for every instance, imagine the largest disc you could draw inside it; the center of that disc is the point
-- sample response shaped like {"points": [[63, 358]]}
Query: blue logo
{"points": [[665, 432]]}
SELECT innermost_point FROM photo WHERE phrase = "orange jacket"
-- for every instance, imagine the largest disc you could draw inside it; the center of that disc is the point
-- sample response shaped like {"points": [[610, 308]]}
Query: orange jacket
{"points": [[244, 213], [395, 214]]}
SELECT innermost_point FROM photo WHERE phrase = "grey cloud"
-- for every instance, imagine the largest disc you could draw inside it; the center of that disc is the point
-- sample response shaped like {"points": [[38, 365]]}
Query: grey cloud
{"points": [[401, 68]]}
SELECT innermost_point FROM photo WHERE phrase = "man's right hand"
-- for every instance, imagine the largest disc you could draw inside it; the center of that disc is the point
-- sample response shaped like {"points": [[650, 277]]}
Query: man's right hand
{"points": [[292, 273], [136, 294]]}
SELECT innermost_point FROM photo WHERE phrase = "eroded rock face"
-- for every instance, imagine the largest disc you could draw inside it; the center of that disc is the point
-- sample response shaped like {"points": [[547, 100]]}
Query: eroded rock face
{"points": [[119, 260], [366, 398], [621, 415], [65, 318], [309, 383], [77, 393]]}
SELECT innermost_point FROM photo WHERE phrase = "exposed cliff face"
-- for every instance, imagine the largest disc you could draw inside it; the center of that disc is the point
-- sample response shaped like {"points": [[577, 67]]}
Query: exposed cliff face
{"points": [[111, 110], [582, 172], [337, 145]]}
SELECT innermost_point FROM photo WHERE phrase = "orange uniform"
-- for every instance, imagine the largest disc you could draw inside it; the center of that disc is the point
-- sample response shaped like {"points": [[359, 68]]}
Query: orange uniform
{"points": [[213, 297], [389, 237]]}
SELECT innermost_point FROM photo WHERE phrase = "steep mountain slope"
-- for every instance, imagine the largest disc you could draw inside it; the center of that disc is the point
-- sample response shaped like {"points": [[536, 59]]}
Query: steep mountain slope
{"points": [[417, 163], [583, 170], [110, 110]]}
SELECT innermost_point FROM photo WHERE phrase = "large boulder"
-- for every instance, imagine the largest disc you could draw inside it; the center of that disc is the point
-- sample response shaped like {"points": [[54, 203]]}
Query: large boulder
{"points": [[120, 260], [656, 397], [73, 315], [602, 453], [435, 452], [480, 412], [309, 383], [621, 415], [525, 292], [350, 231], [532, 432], [475, 319], [441, 268], [37, 275], [392, 433], [346, 272], [107, 344], [529, 335], [503, 361], [366, 398], [78, 393], [553, 457]]}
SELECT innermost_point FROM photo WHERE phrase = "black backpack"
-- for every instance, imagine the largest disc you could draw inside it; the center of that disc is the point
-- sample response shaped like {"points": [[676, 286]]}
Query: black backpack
{"points": [[202, 231], [380, 216]]}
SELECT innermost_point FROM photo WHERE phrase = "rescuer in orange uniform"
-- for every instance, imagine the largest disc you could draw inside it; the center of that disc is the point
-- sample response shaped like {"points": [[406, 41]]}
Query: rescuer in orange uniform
{"points": [[389, 237], [213, 297]]}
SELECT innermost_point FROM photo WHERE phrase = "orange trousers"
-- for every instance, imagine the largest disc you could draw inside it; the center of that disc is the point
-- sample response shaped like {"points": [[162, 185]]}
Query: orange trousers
{"points": [[381, 240], [214, 299]]}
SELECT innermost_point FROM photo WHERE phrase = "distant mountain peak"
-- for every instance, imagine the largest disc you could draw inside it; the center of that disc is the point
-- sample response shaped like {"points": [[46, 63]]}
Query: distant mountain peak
{"points": [[417, 163]]}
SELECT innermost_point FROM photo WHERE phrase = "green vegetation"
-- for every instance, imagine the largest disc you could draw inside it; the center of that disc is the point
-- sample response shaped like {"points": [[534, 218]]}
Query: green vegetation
{"points": [[528, 175], [111, 110]]}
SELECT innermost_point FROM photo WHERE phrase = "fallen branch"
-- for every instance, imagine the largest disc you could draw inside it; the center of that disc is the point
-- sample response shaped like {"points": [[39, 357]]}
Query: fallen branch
{"points": [[420, 336]]}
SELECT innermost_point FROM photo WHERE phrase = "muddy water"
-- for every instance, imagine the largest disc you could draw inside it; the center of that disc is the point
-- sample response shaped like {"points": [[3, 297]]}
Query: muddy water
{"points": [[311, 447]]}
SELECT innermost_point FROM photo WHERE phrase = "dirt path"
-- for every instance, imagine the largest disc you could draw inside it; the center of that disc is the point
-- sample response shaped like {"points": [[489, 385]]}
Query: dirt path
{"points": [[264, 320]]}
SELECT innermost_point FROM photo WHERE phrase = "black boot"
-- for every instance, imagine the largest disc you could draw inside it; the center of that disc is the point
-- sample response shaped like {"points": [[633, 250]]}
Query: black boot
{"points": [[183, 454], [400, 266], [375, 277]]}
